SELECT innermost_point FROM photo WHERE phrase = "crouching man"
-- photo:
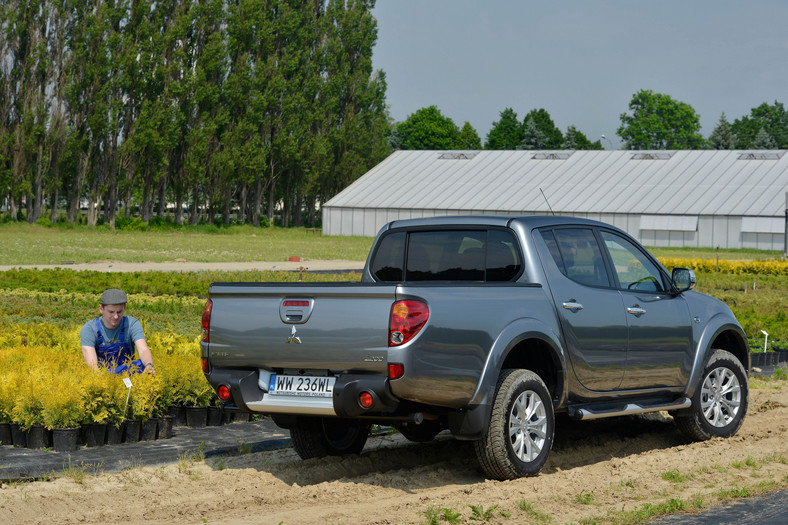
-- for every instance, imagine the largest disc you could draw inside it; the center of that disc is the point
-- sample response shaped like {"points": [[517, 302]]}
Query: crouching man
{"points": [[109, 341]]}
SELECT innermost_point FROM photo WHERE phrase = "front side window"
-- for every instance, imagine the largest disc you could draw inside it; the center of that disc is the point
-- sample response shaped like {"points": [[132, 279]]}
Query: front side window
{"points": [[634, 269]]}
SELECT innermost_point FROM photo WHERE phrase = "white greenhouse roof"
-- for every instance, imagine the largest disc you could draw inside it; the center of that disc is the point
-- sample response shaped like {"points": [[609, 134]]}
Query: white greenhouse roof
{"points": [[651, 183]]}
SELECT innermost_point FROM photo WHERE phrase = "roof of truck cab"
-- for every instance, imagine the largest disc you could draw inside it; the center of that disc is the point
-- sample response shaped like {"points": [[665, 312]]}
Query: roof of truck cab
{"points": [[528, 221]]}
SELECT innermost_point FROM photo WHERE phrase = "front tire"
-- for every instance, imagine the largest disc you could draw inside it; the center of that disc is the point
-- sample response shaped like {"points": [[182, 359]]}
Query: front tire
{"points": [[321, 437], [720, 401], [520, 434]]}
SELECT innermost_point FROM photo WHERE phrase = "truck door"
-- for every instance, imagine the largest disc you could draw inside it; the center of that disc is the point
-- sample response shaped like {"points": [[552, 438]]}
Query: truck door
{"points": [[660, 332], [590, 310]]}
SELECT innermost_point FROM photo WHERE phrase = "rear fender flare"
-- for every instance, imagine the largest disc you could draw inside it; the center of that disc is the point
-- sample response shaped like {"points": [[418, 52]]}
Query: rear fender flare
{"points": [[513, 334]]}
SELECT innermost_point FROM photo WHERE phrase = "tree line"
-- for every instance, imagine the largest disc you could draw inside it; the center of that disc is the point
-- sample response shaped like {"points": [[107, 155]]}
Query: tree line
{"points": [[220, 108], [234, 110], [655, 121]]}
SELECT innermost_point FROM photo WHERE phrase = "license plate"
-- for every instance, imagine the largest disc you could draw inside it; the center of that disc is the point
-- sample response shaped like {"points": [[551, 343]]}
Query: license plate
{"points": [[311, 386]]}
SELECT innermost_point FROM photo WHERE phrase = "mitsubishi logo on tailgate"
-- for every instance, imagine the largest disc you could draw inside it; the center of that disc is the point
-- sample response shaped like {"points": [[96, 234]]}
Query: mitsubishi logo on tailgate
{"points": [[293, 337]]}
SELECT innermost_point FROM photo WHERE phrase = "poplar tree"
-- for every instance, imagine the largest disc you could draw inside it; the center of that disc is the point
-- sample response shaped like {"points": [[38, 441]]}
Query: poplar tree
{"points": [[214, 106]]}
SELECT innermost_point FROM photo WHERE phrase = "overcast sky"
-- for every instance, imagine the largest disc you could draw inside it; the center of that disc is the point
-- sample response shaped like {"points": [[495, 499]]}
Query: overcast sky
{"points": [[580, 60]]}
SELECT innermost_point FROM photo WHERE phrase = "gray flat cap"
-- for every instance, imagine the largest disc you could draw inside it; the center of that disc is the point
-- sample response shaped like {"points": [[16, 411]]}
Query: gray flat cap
{"points": [[114, 296]]}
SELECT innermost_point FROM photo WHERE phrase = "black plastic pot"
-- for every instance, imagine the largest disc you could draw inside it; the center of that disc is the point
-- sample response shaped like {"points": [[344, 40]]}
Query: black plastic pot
{"points": [[5, 434], [131, 431], [37, 437], [95, 434], [179, 413], [165, 427], [115, 433], [65, 439], [214, 416], [18, 436], [149, 428], [196, 417]]}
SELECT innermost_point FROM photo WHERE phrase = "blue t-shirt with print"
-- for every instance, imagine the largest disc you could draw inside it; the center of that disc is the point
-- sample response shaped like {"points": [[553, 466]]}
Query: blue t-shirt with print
{"points": [[88, 336]]}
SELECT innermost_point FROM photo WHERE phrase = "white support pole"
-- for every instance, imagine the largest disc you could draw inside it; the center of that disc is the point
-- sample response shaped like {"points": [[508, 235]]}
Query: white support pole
{"points": [[785, 239]]}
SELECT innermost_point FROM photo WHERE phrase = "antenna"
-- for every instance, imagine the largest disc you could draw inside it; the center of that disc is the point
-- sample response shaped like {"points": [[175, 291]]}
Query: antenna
{"points": [[547, 201]]}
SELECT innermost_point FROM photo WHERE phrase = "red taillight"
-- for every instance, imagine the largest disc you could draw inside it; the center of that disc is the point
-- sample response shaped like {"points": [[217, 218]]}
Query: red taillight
{"points": [[291, 302], [223, 392], [206, 321], [366, 400], [204, 361], [407, 318], [396, 370]]}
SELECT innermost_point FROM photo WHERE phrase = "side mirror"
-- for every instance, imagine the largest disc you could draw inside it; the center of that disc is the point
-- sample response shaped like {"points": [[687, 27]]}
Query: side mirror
{"points": [[683, 279]]}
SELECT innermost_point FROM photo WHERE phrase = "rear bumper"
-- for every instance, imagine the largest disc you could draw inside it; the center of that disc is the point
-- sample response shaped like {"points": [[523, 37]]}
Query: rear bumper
{"points": [[247, 395]]}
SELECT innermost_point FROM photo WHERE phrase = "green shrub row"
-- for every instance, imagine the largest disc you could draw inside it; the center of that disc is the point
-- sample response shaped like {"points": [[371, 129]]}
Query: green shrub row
{"points": [[178, 284]]}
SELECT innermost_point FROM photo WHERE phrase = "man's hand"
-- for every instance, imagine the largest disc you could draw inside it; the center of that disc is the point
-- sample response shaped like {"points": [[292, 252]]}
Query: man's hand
{"points": [[89, 353]]}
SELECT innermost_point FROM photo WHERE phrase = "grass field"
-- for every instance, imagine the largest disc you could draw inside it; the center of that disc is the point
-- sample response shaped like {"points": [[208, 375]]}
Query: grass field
{"points": [[23, 243], [759, 301], [34, 244]]}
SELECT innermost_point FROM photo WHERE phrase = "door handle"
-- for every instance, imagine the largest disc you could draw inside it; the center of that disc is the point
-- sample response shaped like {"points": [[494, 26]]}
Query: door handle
{"points": [[636, 310], [572, 305]]}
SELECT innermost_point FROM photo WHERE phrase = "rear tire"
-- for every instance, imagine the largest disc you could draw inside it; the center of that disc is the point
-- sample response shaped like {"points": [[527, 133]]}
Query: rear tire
{"points": [[720, 400], [321, 437], [520, 435]]}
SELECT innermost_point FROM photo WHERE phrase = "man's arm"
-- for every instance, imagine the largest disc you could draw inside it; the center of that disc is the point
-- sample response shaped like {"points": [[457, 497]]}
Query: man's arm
{"points": [[89, 353], [145, 355]]}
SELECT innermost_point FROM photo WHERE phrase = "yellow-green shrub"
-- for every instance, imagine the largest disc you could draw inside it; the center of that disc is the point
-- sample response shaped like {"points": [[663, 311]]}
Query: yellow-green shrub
{"points": [[725, 266], [28, 406], [43, 379], [63, 407]]}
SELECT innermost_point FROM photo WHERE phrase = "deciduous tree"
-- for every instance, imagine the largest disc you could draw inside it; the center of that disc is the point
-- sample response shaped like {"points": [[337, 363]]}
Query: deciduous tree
{"points": [[429, 129], [772, 119], [657, 121]]}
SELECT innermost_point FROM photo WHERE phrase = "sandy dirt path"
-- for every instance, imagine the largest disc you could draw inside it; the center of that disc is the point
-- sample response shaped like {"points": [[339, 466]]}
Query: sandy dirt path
{"points": [[596, 468]]}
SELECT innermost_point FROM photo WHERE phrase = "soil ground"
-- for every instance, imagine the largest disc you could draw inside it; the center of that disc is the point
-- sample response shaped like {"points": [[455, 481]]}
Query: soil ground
{"points": [[596, 470]]}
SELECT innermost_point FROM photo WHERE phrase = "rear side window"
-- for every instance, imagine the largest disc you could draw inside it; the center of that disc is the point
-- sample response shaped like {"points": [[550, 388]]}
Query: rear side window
{"points": [[447, 255], [389, 258], [577, 254]]}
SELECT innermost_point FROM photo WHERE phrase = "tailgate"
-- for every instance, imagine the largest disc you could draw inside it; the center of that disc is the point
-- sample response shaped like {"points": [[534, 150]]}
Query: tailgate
{"points": [[336, 326]]}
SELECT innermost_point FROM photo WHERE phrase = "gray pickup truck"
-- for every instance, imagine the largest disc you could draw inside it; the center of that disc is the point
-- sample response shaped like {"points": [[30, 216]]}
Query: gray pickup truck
{"points": [[486, 326]]}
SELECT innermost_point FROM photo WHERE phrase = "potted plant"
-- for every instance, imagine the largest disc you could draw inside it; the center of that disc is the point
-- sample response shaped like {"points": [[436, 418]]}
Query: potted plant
{"points": [[162, 404], [62, 414], [177, 379], [97, 405], [143, 404], [27, 425], [7, 400], [116, 393], [197, 401]]}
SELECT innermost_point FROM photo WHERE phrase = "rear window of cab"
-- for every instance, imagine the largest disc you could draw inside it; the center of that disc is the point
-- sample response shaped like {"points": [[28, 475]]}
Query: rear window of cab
{"points": [[447, 255]]}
